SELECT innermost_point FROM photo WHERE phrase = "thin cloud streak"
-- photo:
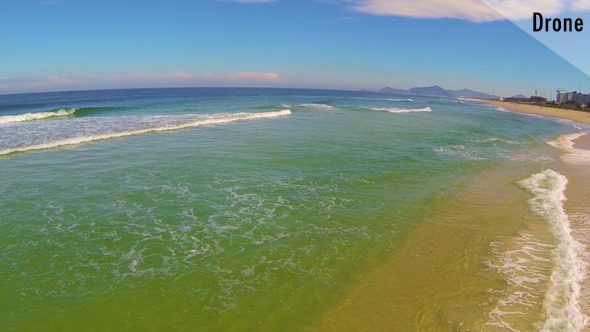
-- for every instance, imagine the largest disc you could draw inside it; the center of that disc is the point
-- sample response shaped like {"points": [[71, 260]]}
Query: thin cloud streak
{"points": [[143, 76], [243, 76], [50, 81], [581, 5], [524, 9], [249, 1], [471, 10]]}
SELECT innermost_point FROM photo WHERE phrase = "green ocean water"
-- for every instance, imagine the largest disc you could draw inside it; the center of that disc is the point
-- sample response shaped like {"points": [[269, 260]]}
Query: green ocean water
{"points": [[255, 223]]}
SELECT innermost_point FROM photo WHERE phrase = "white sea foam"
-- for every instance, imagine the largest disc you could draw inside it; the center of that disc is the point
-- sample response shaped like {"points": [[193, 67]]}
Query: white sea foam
{"points": [[460, 152], [525, 263], [495, 139], [534, 115], [319, 106], [530, 158], [398, 99], [400, 110], [561, 300], [571, 155], [148, 125], [36, 116], [502, 109]]}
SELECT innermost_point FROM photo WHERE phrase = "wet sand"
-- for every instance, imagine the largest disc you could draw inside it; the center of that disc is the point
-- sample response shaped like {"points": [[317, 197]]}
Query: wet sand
{"points": [[440, 278], [582, 142], [577, 116], [443, 277]]}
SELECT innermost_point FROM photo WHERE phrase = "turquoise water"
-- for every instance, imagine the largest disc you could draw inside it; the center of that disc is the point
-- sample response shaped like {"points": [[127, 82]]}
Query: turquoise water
{"points": [[217, 208]]}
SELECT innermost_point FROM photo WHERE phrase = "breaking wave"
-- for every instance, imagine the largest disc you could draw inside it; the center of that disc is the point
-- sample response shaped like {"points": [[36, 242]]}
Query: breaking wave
{"points": [[37, 116], [101, 128], [561, 300], [399, 99], [571, 154], [319, 106], [400, 110]]}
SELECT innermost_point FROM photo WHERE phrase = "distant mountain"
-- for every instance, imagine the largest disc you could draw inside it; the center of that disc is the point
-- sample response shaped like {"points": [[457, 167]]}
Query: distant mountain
{"points": [[434, 90], [437, 91], [520, 96], [392, 90], [467, 93]]}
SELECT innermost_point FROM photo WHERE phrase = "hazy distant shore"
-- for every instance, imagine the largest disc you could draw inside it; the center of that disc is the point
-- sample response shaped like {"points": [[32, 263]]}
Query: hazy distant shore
{"points": [[577, 116]]}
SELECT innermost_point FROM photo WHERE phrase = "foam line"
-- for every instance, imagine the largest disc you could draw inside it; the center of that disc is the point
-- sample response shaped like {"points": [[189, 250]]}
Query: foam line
{"points": [[571, 155], [319, 106], [218, 119], [36, 116], [561, 300], [400, 110]]}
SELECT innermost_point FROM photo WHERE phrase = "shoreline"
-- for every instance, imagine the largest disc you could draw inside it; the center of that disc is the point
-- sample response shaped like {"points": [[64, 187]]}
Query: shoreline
{"points": [[576, 116], [421, 261]]}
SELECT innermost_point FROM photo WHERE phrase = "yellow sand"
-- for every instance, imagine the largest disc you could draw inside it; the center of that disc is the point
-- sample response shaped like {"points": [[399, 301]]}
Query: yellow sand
{"points": [[438, 280], [577, 116]]}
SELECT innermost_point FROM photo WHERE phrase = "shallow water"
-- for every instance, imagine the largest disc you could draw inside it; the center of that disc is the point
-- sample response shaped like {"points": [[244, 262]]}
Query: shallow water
{"points": [[264, 221]]}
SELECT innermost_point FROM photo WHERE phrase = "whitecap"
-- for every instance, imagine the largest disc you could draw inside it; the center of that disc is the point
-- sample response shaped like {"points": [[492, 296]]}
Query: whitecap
{"points": [[324, 107], [400, 110], [37, 116], [143, 125]]}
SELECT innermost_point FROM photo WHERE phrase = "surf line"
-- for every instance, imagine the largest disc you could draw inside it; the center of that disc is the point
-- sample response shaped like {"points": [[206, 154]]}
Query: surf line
{"points": [[561, 300], [62, 112], [210, 121]]}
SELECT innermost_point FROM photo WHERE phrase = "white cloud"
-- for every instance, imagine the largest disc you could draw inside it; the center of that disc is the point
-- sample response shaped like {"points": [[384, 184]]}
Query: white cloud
{"points": [[524, 9], [244, 76], [472, 10], [51, 81], [144, 76], [249, 1], [60, 80], [580, 5]]}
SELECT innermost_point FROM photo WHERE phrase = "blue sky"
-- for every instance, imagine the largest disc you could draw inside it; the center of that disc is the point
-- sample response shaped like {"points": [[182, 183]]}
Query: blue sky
{"points": [[347, 44]]}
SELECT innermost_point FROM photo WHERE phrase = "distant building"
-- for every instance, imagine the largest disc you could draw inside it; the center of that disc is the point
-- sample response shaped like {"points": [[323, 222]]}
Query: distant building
{"points": [[560, 97], [582, 98], [516, 99], [538, 100], [564, 97]]}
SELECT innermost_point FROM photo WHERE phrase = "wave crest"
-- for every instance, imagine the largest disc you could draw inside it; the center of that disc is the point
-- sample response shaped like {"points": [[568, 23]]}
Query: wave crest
{"points": [[571, 155], [400, 110], [37, 116], [119, 127], [319, 106], [561, 300]]}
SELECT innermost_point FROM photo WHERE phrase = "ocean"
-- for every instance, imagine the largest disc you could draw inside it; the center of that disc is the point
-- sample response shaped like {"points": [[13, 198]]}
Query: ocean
{"points": [[286, 209]]}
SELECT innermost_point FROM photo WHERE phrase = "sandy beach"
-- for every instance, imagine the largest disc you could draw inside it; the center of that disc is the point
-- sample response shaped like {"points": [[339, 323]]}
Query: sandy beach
{"points": [[582, 142], [436, 250], [577, 116]]}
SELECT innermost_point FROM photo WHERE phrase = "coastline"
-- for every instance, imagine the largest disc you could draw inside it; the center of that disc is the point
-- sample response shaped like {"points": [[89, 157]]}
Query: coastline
{"points": [[576, 116], [563, 303]]}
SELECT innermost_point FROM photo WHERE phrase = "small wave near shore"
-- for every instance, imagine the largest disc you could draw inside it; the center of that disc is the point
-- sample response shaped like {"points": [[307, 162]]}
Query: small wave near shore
{"points": [[562, 298], [62, 112], [107, 128], [400, 110]]}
